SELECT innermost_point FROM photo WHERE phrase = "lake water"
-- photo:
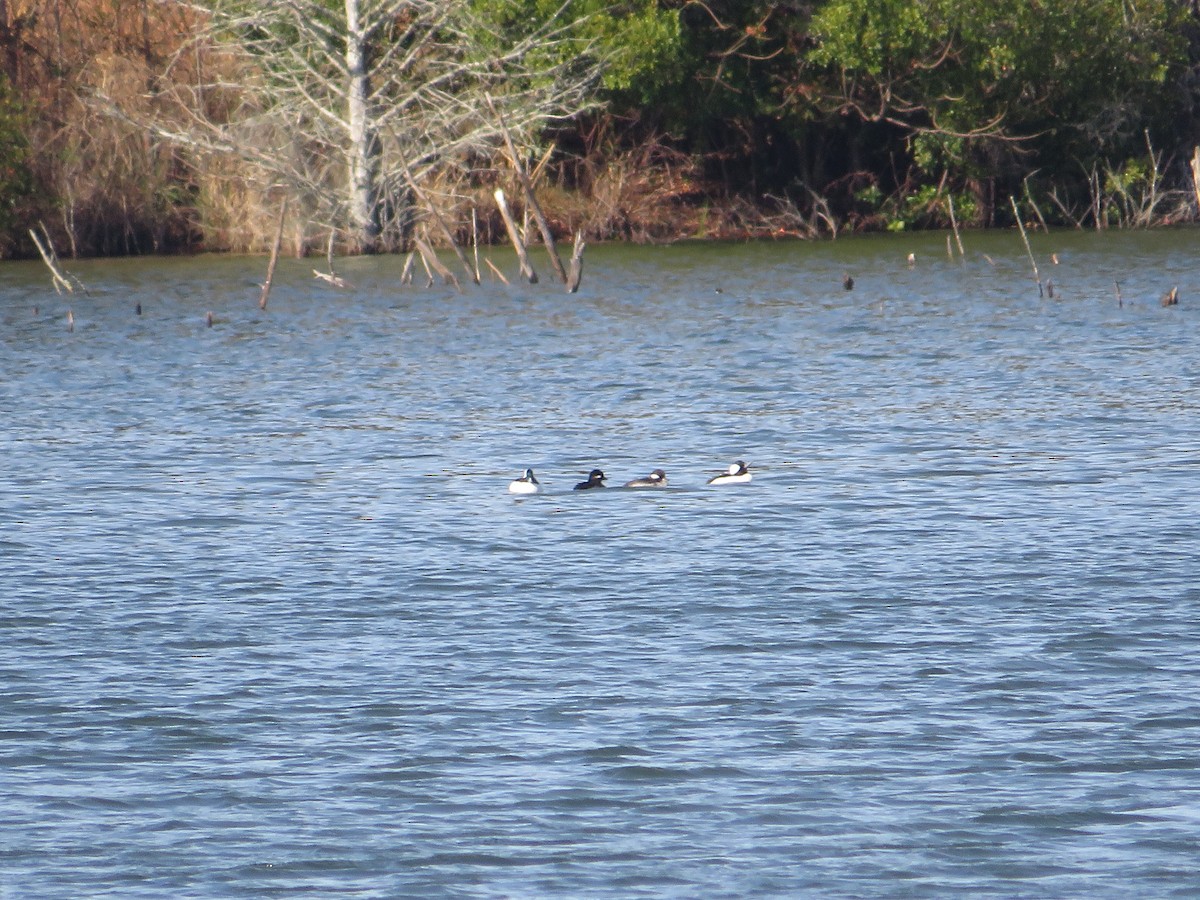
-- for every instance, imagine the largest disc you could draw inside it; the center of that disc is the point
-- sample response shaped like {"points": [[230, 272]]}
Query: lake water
{"points": [[272, 626]]}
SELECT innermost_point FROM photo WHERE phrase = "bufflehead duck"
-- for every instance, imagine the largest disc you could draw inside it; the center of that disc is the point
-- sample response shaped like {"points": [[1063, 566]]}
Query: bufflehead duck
{"points": [[526, 484], [657, 478], [737, 473], [595, 480]]}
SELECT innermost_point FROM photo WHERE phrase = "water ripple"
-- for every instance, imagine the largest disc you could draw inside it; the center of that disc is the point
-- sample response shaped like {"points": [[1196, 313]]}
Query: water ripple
{"points": [[272, 625]]}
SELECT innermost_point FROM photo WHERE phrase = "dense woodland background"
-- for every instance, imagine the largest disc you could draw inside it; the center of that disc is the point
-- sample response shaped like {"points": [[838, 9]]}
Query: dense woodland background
{"points": [[714, 119]]}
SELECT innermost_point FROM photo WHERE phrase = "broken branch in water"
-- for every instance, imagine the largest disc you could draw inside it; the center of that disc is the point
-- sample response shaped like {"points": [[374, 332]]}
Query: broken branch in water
{"points": [[431, 207], [954, 224], [1028, 250], [332, 279], [491, 265], [515, 236], [60, 281], [432, 262], [576, 274], [530, 199], [266, 288]]}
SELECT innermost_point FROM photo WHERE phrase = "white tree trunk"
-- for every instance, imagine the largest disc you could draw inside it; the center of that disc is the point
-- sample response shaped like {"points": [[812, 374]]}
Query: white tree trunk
{"points": [[364, 192], [332, 101]]}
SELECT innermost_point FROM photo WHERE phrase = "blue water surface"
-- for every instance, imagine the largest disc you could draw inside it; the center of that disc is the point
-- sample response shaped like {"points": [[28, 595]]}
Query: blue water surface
{"points": [[272, 626]]}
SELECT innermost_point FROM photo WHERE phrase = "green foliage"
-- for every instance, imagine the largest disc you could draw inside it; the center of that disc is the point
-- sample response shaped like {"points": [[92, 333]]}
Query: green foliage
{"points": [[1132, 175], [645, 47], [640, 41], [874, 110], [16, 181], [791, 96], [877, 37], [926, 207], [1079, 77]]}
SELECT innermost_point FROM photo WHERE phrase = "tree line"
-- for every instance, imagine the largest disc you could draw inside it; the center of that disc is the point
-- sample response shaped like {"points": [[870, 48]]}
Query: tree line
{"points": [[138, 126]]}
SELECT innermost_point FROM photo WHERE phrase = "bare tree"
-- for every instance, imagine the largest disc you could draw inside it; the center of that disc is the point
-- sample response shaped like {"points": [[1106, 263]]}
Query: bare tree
{"points": [[343, 105]]}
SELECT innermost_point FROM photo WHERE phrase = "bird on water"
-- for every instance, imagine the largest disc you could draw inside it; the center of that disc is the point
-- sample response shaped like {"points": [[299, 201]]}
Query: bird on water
{"points": [[595, 480], [737, 473], [526, 484], [657, 478]]}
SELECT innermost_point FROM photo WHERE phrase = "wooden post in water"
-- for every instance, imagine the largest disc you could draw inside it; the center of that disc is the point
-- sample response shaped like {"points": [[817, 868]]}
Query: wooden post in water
{"points": [[1196, 176], [530, 199], [266, 288], [954, 224], [1028, 250], [515, 236], [576, 264], [475, 240]]}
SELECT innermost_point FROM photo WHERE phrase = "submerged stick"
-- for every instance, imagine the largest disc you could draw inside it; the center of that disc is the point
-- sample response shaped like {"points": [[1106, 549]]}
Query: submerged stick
{"points": [[515, 236], [1028, 250], [266, 288], [576, 264], [491, 265], [1120, 300], [406, 275]]}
